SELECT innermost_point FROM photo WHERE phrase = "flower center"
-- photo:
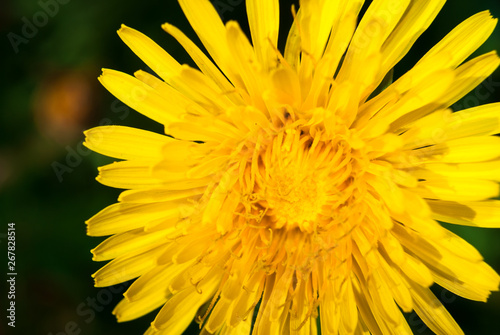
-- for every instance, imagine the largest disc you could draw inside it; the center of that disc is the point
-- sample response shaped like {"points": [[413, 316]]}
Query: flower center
{"points": [[297, 181], [295, 198]]}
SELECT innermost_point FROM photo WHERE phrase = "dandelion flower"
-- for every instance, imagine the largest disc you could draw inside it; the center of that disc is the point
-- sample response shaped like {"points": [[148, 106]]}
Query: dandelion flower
{"points": [[300, 191]]}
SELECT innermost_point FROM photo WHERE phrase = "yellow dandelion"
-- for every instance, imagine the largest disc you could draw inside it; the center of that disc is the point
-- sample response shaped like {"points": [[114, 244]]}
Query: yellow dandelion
{"points": [[300, 192]]}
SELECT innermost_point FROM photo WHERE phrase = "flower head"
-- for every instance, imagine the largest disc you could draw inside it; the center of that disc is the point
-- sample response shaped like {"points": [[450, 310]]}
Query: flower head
{"points": [[300, 190]]}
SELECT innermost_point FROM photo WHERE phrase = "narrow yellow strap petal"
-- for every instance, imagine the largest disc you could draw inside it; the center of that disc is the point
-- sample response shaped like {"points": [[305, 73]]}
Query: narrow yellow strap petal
{"points": [[157, 195], [246, 63], [470, 75], [432, 312], [443, 126], [483, 170], [243, 328], [348, 312], [122, 217], [465, 290], [450, 52], [457, 189], [263, 18], [343, 29], [293, 45], [151, 53], [426, 93], [194, 132], [139, 96], [218, 315], [122, 269], [179, 311], [462, 150], [286, 87], [416, 270], [375, 27], [414, 22], [364, 304], [204, 91], [389, 192], [129, 310], [208, 26], [247, 298], [479, 214], [318, 19], [182, 98], [203, 62], [461, 43], [125, 142], [438, 257], [383, 300], [397, 285], [329, 312], [136, 241], [154, 281], [460, 247], [132, 175]]}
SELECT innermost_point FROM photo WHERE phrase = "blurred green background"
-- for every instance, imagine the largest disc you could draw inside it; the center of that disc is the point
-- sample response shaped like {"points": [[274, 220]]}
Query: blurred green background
{"points": [[49, 93]]}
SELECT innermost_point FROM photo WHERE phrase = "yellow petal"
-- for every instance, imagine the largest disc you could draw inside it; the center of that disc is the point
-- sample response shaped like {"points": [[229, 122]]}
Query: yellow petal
{"points": [[179, 311], [125, 268], [139, 96], [263, 18], [246, 63], [208, 26], [458, 189], [190, 131], [460, 43], [482, 170], [151, 53], [432, 312], [469, 75], [479, 214], [375, 27], [218, 315], [383, 301], [157, 195], [184, 101], [388, 191], [417, 18], [128, 310], [136, 241], [122, 217], [343, 28], [397, 285], [286, 87], [348, 313], [243, 328], [203, 62], [438, 257], [154, 281], [465, 290], [443, 126], [423, 95], [462, 150], [125, 142], [130, 175]]}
